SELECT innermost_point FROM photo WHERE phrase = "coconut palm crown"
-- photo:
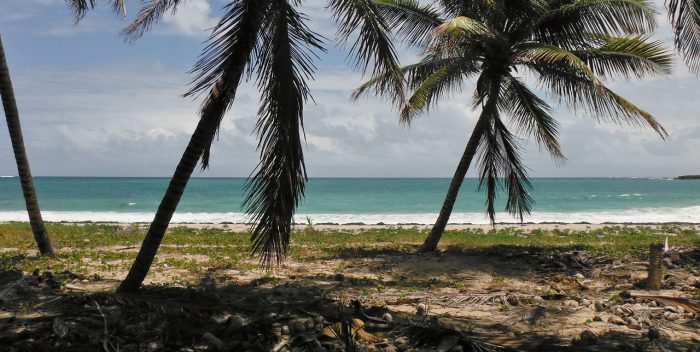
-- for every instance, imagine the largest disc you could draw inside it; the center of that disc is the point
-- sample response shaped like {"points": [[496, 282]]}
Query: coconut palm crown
{"points": [[568, 48]]}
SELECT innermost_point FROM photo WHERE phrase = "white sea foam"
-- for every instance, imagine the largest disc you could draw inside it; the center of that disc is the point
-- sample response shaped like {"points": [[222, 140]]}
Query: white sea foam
{"points": [[642, 215]]}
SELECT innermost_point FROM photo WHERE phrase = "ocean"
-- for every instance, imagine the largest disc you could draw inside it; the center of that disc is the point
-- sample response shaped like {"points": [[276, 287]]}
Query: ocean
{"points": [[359, 200]]}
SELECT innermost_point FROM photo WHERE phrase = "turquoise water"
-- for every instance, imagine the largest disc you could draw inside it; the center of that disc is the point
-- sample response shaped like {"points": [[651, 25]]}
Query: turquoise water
{"points": [[359, 200]]}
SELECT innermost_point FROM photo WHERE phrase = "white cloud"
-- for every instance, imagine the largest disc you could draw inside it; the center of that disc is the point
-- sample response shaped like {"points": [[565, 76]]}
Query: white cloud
{"points": [[129, 119], [193, 18], [114, 120]]}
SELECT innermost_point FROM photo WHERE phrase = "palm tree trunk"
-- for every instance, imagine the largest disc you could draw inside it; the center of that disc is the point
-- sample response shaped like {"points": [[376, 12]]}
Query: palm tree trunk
{"points": [[431, 242], [13, 125], [221, 95], [176, 188]]}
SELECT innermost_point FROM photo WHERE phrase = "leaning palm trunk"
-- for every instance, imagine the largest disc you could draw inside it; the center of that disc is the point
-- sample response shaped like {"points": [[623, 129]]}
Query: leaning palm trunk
{"points": [[482, 124], [431, 242], [220, 97], [176, 188], [13, 125]]}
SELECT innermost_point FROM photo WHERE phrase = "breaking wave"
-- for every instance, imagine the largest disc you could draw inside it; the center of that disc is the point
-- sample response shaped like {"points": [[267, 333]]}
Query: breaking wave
{"points": [[640, 215]]}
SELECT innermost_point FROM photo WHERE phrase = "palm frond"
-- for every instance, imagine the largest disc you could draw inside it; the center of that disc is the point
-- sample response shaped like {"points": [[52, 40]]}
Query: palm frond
{"points": [[373, 47], [632, 114], [578, 91], [517, 185], [81, 7], [499, 159], [554, 55], [413, 74], [231, 47], [608, 17], [465, 27], [119, 6], [532, 115], [12, 291], [489, 161], [410, 20], [150, 14], [433, 81], [374, 84], [685, 20], [277, 185], [467, 7], [628, 57]]}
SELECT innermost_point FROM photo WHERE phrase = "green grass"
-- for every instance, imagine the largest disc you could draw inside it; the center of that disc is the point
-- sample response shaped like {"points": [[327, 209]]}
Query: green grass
{"points": [[106, 247]]}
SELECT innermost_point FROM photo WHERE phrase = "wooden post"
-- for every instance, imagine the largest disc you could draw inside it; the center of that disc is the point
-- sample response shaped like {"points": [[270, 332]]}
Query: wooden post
{"points": [[656, 253]]}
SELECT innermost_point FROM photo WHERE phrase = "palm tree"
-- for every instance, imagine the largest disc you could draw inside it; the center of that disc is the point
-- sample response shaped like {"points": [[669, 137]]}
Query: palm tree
{"points": [[567, 46], [271, 40], [685, 20], [25, 175]]}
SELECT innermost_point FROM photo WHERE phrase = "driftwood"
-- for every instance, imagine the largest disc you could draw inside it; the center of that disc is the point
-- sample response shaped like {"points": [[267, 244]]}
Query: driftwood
{"points": [[687, 304]]}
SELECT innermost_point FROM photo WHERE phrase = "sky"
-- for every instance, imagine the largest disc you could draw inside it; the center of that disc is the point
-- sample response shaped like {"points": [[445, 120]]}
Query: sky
{"points": [[93, 105]]}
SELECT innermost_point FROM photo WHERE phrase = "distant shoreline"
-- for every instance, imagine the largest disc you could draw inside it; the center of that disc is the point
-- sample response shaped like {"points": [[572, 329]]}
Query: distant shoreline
{"points": [[688, 177]]}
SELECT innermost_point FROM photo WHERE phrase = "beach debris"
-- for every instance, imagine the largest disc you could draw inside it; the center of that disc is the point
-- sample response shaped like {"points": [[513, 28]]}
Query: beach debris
{"points": [[356, 327], [655, 270], [625, 294], [234, 323], [613, 319], [448, 343], [671, 316], [387, 316], [570, 303], [653, 333], [214, 341], [60, 328], [261, 317], [687, 305], [279, 346], [421, 309], [668, 263], [498, 298], [441, 338], [11, 292], [588, 337]]}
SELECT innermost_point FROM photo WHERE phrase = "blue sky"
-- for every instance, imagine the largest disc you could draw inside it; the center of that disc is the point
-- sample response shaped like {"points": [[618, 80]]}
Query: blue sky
{"points": [[92, 105]]}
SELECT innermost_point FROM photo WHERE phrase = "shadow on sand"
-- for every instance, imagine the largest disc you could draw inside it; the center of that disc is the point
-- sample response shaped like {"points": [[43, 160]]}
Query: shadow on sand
{"points": [[46, 311]]}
